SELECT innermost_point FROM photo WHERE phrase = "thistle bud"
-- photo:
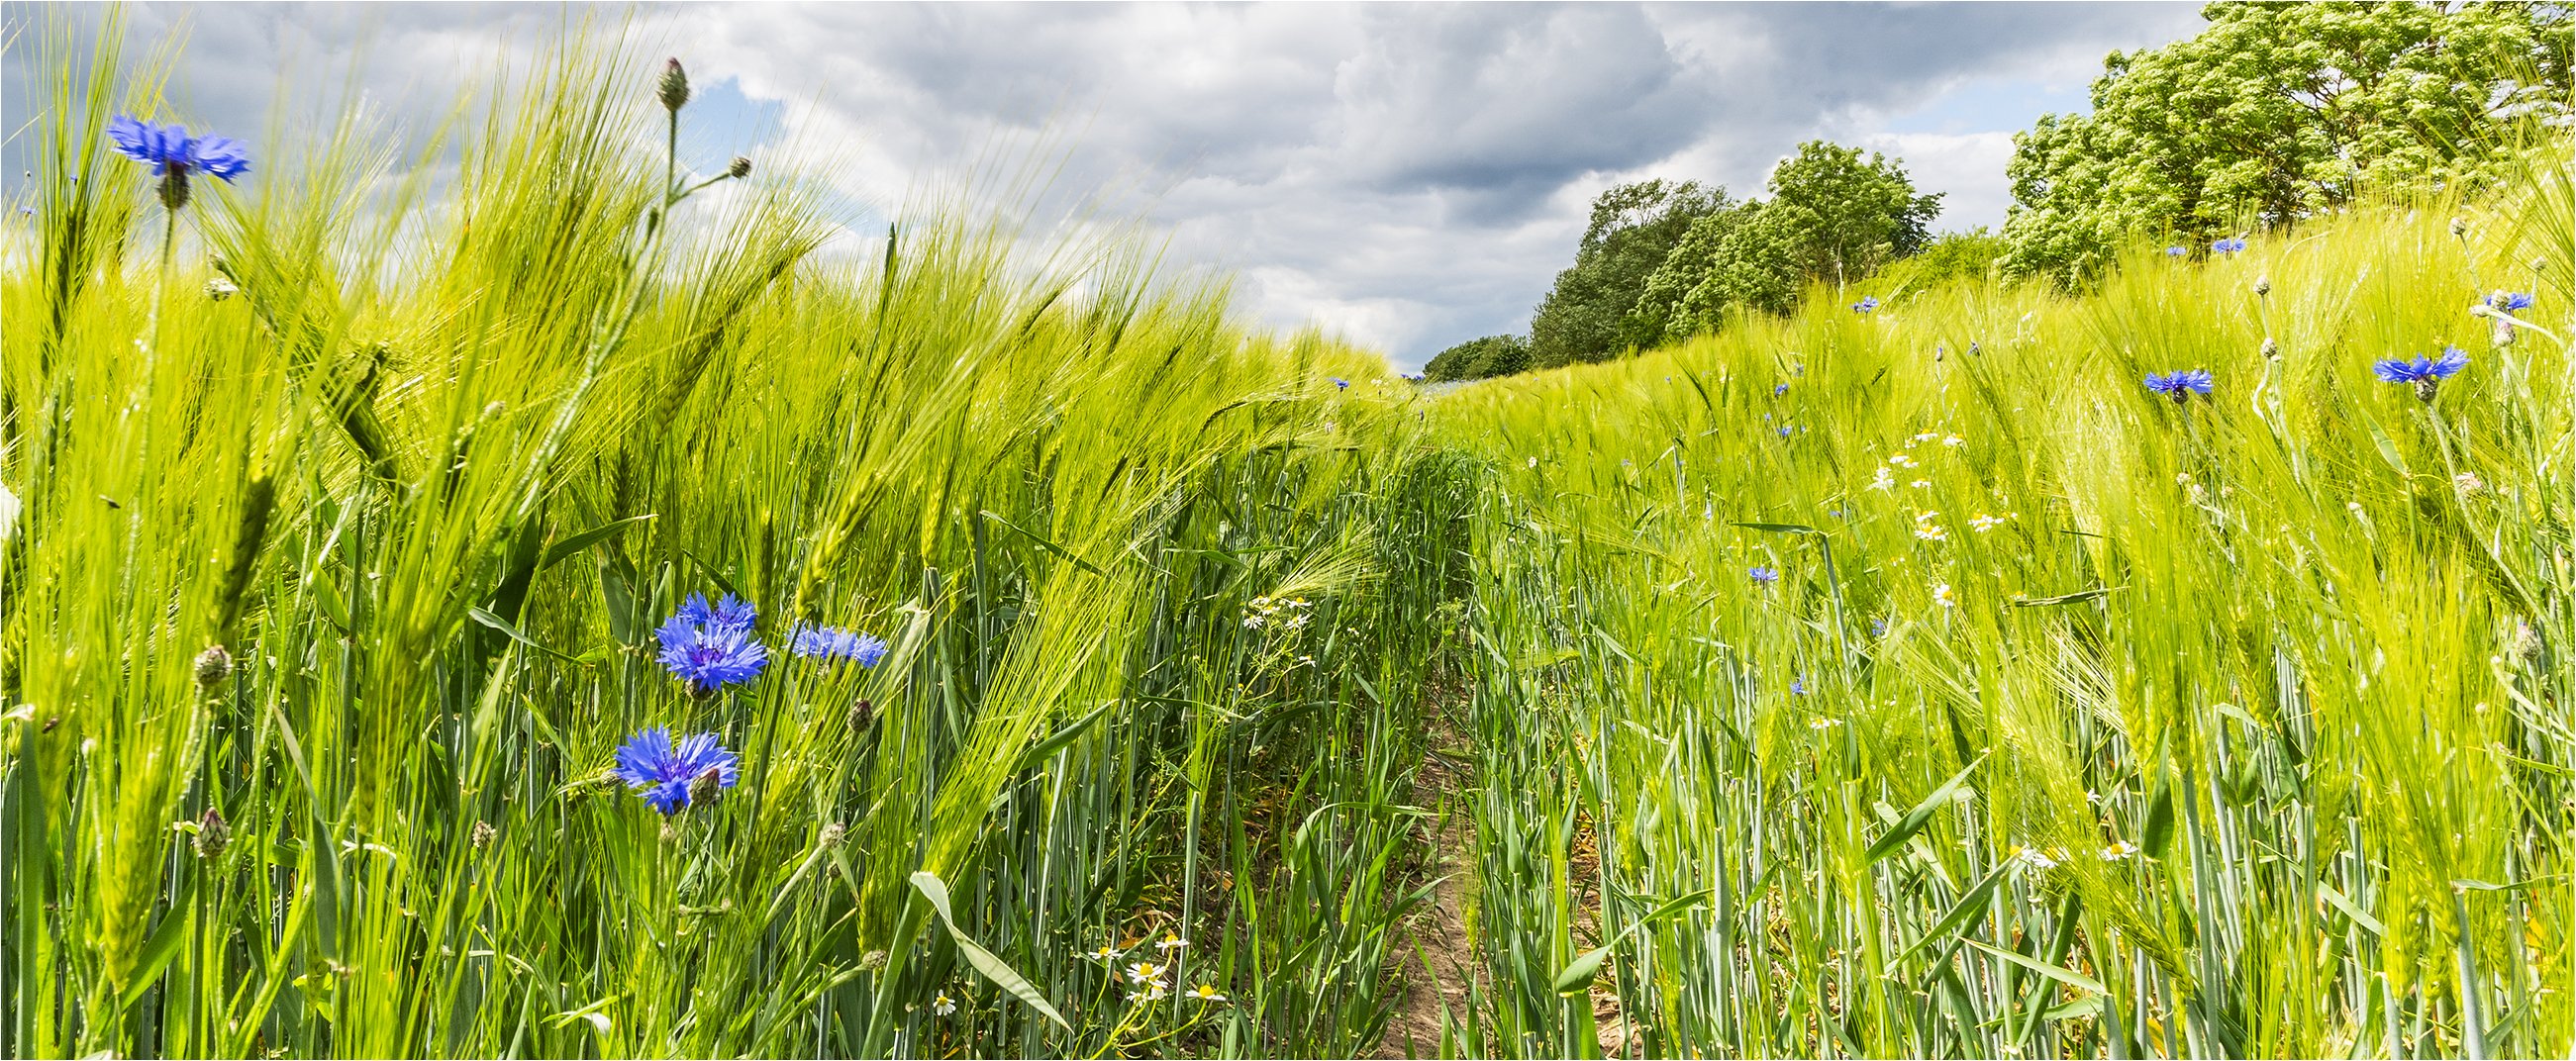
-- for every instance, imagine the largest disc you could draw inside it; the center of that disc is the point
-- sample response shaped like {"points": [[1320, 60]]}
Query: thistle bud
{"points": [[174, 186], [739, 168], [2262, 286], [213, 666], [2459, 226], [212, 835], [674, 87], [861, 714], [704, 787], [2271, 350]]}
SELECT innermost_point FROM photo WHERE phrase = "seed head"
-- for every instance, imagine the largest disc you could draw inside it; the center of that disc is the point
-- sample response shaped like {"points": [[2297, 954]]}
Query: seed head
{"points": [[2262, 286], [704, 786], [739, 168], [2459, 226], [212, 835], [2271, 350], [483, 834], [674, 87], [834, 833], [213, 666]]}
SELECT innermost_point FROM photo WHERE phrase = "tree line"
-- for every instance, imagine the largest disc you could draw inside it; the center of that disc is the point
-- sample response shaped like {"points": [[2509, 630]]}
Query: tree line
{"points": [[2273, 113]]}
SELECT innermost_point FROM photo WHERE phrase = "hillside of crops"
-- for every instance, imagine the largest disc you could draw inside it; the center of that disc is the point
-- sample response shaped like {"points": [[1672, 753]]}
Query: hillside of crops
{"points": [[551, 604]]}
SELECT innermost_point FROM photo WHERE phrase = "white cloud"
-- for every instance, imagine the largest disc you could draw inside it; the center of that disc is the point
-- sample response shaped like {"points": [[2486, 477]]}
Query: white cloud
{"points": [[1411, 176]]}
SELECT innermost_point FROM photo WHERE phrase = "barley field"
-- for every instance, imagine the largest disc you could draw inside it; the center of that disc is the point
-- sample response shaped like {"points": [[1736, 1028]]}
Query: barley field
{"points": [[565, 611]]}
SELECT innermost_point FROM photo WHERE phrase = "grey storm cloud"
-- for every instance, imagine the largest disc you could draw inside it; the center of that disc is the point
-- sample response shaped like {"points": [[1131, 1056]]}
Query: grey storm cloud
{"points": [[1410, 175]]}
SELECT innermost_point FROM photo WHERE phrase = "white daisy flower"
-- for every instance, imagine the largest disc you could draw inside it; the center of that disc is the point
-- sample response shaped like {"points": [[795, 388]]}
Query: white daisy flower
{"points": [[1205, 993], [943, 1005]]}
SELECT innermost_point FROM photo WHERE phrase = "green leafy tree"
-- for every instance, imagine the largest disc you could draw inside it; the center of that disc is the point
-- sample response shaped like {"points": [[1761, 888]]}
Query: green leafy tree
{"points": [[2275, 112], [1834, 215], [1976, 254], [1493, 355], [1634, 227], [1843, 216]]}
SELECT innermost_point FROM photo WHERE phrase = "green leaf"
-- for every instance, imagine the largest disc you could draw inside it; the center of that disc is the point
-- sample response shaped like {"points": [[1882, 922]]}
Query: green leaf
{"points": [[1782, 528], [1049, 546], [1969, 907], [984, 961], [1039, 752], [1920, 816], [504, 626], [1578, 973], [164, 944], [2065, 598], [2068, 977], [564, 550], [2338, 900]]}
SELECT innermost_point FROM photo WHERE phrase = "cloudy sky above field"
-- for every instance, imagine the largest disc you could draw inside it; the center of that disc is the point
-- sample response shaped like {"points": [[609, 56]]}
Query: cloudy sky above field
{"points": [[1409, 176]]}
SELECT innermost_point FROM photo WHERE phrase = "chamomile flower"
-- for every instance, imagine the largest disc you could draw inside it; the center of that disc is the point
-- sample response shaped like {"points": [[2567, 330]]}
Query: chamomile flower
{"points": [[943, 1005], [1883, 481], [1104, 954], [1145, 972], [2119, 851], [1942, 596], [2034, 857], [1170, 942], [1204, 993], [1983, 522], [1927, 526]]}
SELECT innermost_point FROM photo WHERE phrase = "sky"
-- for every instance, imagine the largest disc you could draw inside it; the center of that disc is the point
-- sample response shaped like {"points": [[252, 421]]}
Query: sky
{"points": [[1407, 176]]}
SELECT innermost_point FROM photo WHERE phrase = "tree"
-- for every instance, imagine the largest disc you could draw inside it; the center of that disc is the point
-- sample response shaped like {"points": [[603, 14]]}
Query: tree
{"points": [[1493, 355], [1833, 216], [2276, 112], [1975, 254], [1633, 228], [1844, 217]]}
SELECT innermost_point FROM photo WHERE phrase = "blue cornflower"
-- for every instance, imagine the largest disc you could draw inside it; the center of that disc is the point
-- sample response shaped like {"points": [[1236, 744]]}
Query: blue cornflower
{"points": [[832, 642], [2176, 251], [1764, 575], [2228, 246], [671, 774], [1339, 383], [2509, 301], [1784, 432], [1865, 305], [1798, 685], [1779, 389], [1878, 628], [2426, 373], [730, 613], [711, 647], [2181, 384], [172, 154]]}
